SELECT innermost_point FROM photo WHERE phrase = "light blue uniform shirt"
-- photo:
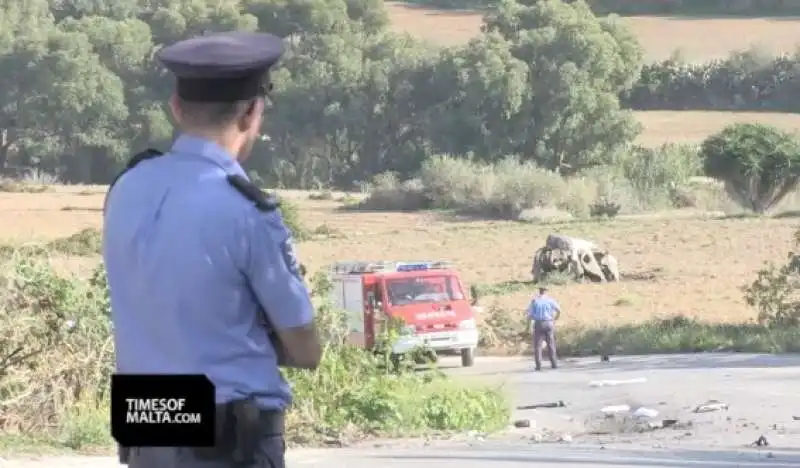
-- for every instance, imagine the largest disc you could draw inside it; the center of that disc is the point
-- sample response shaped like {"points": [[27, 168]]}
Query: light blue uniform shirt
{"points": [[189, 261], [543, 309]]}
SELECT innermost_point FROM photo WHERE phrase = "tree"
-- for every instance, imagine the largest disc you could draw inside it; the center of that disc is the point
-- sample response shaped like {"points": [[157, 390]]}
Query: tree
{"points": [[346, 108], [759, 164], [577, 66], [476, 95]]}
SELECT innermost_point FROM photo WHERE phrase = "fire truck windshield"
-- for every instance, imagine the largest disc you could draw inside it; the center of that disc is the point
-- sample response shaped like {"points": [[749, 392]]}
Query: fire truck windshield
{"points": [[421, 290]]}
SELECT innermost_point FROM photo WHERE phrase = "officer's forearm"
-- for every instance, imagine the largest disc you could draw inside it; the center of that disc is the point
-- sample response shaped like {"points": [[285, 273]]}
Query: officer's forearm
{"points": [[301, 347]]}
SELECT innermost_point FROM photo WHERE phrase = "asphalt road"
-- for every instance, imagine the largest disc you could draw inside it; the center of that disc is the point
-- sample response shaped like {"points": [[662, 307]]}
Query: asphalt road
{"points": [[762, 393]]}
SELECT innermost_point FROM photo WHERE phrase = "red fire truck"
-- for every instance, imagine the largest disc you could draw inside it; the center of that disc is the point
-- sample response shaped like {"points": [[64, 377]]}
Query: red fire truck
{"points": [[428, 296]]}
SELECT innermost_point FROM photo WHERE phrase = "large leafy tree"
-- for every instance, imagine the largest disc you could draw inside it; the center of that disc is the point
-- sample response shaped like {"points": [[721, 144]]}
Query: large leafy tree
{"points": [[577, 66]]}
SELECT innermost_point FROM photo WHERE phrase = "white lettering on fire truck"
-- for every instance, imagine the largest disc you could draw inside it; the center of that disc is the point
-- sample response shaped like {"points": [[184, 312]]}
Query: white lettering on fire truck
{"points": [[435, 314]]}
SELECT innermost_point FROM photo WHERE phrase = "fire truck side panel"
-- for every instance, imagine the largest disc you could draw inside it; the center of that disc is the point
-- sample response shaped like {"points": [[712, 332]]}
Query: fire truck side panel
{"points": [[348, 295]]}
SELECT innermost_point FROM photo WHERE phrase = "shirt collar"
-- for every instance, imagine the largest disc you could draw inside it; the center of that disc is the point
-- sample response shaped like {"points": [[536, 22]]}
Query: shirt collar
{"points": [[209, 150]]}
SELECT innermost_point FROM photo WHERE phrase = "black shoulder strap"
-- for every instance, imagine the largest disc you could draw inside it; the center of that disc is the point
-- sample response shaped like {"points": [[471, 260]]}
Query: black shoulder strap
{"points": [[250, 191], [133, 162]]}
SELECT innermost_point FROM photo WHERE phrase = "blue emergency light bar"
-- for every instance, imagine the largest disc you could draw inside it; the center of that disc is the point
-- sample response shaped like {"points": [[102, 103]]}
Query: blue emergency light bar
{"points": [[383, 266], [414, 266]]}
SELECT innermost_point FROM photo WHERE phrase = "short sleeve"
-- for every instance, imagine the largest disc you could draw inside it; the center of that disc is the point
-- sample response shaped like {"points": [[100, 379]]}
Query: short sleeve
{"points": [[273, 272]]}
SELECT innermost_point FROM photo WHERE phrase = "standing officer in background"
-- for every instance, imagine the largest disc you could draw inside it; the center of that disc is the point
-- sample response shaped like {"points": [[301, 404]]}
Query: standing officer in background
{"points": [[543, 311], [202, 273]]}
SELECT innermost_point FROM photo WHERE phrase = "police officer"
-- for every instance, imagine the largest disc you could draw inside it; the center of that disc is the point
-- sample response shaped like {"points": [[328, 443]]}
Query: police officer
{"points": [[544, 312], [202, 273]]}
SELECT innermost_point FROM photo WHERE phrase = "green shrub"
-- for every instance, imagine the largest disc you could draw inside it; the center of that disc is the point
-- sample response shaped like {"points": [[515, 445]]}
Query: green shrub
{"points": [[507, 331], [774, 292], [291, 217], [759, 164], [55, 342], [85, 243], [642, 179], [56, 351], [657, 169], [501, 190], [677, 335], [387, 192]]}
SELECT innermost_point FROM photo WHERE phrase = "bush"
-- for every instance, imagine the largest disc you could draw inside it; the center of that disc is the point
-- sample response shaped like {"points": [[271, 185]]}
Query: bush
{"points": [[774, 292], [56, 347], [291, 218], [507, 331], [759, 164], [677, 335], [387, 192], [640, 179], [56, 352], [748, 80], [502, 190], [85, 243]]}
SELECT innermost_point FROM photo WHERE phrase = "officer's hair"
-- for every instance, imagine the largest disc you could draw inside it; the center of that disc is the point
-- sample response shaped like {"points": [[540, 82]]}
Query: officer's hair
{"points": [[211, 114]]}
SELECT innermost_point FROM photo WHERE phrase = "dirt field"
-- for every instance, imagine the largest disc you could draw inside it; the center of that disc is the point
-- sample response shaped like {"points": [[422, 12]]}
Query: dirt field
{"points": [[688, 266], [698, 39], [694, 126]]}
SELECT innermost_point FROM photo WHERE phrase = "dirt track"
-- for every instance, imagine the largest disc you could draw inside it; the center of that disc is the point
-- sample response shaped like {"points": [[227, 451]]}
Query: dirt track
{"points": [[761, 392]]}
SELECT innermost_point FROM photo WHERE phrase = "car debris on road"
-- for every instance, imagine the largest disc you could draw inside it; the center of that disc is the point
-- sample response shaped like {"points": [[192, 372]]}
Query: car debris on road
{"points": [[615, 409], [711, 406], [761, 442], [556, 404], [643, 412], [614, 383]]}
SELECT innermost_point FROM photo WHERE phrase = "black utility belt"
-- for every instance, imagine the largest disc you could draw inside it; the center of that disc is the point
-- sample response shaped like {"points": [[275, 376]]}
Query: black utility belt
{"points": [[240, 427], [245, 414]]}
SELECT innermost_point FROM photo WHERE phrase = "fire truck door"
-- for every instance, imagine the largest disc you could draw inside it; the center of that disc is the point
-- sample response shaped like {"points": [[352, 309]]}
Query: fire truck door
{"points": [[373, 313], [354, 305]]}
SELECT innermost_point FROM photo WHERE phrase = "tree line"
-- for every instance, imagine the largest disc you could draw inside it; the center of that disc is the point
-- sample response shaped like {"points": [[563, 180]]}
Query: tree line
{"points": [[544, 81], [743, 8]]}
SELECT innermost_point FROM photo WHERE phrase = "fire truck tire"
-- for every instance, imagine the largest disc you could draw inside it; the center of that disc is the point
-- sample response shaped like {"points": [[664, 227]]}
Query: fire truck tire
{"points": [[467, 357], [397, 360]]}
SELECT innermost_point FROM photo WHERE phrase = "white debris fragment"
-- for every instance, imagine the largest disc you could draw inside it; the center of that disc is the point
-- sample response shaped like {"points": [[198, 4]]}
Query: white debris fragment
{"points": [[710, 406], [645, 413], [616, 409], [614, 383]]}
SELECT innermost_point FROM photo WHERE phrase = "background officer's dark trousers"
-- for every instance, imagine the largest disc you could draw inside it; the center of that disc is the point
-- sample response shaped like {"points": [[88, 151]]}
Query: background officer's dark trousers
{"points": [[270, 454], [544, 331]]}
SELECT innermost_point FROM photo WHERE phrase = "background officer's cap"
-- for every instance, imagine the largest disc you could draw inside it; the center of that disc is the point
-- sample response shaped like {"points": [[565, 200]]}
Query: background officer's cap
{"points": [[222, 67]]}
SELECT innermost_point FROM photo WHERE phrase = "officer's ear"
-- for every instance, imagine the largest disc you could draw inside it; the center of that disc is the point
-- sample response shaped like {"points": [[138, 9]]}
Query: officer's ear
{"points": [[175, 108], [252, 115]]}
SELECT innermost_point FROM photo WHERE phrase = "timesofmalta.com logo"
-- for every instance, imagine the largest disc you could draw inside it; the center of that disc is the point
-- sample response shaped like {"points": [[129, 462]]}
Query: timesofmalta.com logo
{"points": [[159, 411], [162, 410]]}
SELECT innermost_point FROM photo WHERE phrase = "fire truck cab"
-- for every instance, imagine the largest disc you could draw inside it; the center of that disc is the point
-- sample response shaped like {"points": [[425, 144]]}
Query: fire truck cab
{"points": [[428, 296]]}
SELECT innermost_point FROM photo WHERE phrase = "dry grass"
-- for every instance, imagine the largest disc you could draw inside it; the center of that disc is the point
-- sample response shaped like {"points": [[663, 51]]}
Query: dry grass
{"points": [[688, 266], [698, 39]]}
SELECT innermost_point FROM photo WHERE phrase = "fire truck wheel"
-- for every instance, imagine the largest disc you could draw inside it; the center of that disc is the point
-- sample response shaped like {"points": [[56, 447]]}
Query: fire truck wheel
{"points": [[467, 357], [397, 360]]}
